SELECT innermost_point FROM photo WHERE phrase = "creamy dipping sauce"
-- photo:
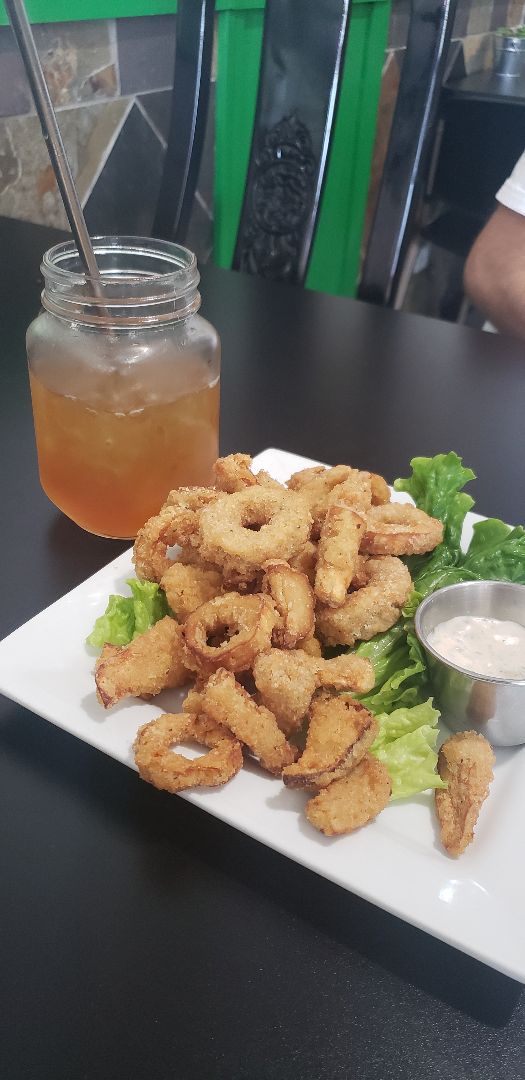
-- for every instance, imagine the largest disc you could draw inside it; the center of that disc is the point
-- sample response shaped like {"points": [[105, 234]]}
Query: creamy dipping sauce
{"points": [[486, 646]]}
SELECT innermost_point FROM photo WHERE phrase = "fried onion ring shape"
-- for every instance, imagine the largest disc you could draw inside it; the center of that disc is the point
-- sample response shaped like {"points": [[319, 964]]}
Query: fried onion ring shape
{"points": [[159, 765], [340, 732], [292, 595], [337, 554], [349, 803], [228, 632], [242, 531], [152, 662], [176, 523], [187, 587], [400, 529], [226, 703], [371, 609], [233, 473]]}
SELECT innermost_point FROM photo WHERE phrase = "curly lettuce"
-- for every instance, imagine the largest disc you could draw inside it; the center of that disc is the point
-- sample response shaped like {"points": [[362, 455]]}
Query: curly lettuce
{"points": [[127, 616]]}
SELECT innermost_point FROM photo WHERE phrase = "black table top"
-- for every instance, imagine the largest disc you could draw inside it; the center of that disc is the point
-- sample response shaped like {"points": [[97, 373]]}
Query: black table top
{"points": [[142, 938], [488, 86]]}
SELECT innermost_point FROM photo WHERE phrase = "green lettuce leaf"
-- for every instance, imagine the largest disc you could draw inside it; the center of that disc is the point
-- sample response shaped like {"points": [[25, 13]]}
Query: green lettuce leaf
{"points": [[496, 551], [149, 604], [406, 744], [436, 487], [116, 625], [128, 616]]}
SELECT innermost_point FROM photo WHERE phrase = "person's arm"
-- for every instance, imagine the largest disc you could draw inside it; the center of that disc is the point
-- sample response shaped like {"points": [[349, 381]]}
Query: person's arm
{"points": [[495, 271]]}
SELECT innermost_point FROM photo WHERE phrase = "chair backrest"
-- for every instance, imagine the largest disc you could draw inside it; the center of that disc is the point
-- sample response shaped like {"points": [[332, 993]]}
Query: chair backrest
{"points": [[424, 62], [302, 55], [189, 109]]}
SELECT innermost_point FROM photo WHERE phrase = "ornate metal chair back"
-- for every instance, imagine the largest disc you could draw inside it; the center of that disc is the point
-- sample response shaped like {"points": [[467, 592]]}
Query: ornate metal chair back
{"points": [[301, 64]]}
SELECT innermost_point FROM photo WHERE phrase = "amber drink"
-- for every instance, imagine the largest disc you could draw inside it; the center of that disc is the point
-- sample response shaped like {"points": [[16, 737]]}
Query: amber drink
{"points": [[125, 389]]}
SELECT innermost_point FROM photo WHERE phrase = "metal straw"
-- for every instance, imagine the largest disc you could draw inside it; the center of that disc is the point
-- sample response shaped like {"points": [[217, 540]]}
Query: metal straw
{"points": [[53, 139]]}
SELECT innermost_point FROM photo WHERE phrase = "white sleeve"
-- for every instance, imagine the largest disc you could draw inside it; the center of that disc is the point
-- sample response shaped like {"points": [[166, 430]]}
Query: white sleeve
{"points": [[512, 192]]}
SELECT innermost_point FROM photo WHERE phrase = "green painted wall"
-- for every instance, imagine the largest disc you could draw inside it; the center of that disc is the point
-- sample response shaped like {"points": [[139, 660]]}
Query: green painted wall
{"points": [[65, 11]]}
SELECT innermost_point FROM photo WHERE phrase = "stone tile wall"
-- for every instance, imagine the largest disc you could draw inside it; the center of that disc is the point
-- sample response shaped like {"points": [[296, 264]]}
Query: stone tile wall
{"points": [[110, 81]]}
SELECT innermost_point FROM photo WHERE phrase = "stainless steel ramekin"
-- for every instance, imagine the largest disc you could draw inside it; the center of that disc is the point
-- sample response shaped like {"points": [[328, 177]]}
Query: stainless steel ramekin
{"points": [[494, 707]]}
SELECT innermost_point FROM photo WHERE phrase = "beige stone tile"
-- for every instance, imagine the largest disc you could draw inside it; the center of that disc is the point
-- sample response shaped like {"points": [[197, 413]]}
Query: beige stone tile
{"points": [[79, 61], [27, 185]]}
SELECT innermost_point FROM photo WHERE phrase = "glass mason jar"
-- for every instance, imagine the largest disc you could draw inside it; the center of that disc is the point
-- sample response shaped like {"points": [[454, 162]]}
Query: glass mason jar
{"points": [[124, 385]]}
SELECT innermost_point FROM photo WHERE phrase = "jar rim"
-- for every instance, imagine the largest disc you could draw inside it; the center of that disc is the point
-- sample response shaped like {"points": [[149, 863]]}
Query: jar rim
{"points": [[181, 262], [159, 278]]}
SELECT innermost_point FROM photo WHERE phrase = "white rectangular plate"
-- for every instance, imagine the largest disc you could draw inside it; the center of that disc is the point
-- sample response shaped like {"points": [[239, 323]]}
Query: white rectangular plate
{"points": [[475, 903]]}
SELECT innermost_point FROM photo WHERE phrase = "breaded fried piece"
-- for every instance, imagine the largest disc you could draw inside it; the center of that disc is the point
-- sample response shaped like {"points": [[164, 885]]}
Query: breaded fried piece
{"points": [[187, 587], [369, 610], [233, 473], [340, 732], [167, 770], [355, 492], [346, 672], [319, 484], [306, 560], [292, 595], [400, 529], [465, 761], [226, 703], [150, 663], [176, 523], [286, 681], [349, 803], [380, 489], [337, 554], [311, 645]]}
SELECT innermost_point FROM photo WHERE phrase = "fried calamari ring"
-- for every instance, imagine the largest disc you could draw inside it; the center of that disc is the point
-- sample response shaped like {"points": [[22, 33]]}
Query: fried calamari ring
{"points": [[292, 595], [287, 680], [371, 609], [187, 587], [233, 473], [159, 765], [151, 545], [242, 531], [176, 523], [349, 803], [400, 529], [337, 554], [226, 703], [340, 732], [228, 632], [152, 662]]}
